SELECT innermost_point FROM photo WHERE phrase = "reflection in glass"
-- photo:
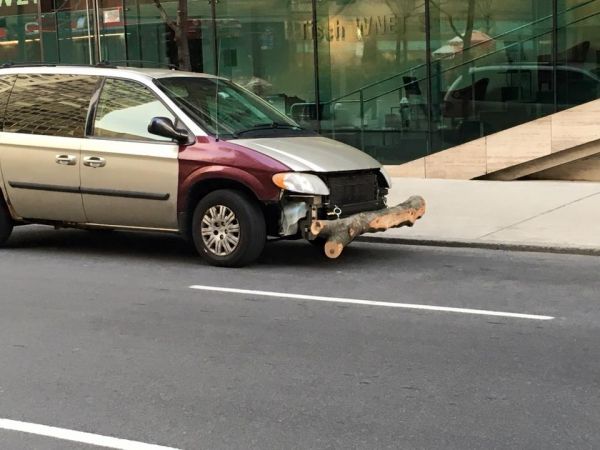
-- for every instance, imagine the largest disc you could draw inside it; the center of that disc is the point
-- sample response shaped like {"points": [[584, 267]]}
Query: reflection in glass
{"points": [[51, 105], [125, 110], [373, 76], [488, 68], [578, 53], [382, 86], [6, 85], [151, 43], [223, 109], [266, 47], [19, 31]]}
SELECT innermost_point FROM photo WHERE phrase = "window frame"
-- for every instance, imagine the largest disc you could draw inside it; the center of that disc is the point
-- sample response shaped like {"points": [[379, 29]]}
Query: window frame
{"points": [[4, 108], [93, 109]]}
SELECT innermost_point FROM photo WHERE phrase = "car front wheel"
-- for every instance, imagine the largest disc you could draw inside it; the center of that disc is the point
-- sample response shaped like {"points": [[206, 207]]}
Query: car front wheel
{"points": [[229, 228]]}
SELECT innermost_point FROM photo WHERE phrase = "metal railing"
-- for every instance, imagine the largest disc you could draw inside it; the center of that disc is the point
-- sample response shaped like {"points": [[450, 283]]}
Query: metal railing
{"points": [[362, 92]]}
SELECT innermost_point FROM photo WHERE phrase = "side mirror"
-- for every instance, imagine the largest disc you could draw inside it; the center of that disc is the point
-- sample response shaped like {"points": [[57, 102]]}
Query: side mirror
{"points": [[163, 126]]}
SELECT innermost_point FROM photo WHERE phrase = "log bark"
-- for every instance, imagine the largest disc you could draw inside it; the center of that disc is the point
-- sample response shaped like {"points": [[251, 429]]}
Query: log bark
{"points": [[339, 233]]}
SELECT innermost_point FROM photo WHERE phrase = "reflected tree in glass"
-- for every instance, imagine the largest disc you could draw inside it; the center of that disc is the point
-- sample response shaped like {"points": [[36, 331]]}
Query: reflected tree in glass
{"points": [[467, 35], [179, 26]]}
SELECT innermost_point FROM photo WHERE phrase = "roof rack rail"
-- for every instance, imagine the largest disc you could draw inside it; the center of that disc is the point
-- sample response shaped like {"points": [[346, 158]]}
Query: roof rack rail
{"points": [[103, 64], [8, 64]]}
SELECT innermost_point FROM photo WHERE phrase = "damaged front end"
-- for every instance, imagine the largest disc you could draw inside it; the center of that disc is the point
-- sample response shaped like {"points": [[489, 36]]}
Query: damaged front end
{"points": [[355, 204]]}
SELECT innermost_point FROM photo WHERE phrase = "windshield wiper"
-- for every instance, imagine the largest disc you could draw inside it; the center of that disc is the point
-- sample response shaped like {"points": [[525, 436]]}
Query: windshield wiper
{"points": [[269, 126]]}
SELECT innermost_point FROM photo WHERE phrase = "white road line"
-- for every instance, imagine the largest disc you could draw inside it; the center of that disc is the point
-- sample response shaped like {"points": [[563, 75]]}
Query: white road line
{"points": [[77, 436], [318, 298]]}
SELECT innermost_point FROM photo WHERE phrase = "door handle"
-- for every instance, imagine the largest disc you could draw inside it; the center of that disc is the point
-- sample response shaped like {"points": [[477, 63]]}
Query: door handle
{"points": [[66, 160], [94, 162]]}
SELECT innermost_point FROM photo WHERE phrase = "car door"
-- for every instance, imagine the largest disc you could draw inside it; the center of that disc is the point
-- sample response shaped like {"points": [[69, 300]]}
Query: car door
{"points": [[40, 145], [129, 177]]}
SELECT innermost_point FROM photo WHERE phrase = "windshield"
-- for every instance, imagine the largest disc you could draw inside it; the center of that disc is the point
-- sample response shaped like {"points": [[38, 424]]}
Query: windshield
{"points": [[237, 113]]}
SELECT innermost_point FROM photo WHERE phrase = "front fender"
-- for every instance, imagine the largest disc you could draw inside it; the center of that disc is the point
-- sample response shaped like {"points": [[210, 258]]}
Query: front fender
{"points": [[260, 184]]}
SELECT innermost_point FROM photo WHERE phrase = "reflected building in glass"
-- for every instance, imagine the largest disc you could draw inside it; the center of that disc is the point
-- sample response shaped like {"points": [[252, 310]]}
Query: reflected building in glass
{"points": [[399, 79]]}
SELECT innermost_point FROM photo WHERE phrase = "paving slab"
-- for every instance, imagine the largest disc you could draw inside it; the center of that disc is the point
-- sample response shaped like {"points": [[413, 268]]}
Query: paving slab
{"points": [[576, 224], [527, 213]]}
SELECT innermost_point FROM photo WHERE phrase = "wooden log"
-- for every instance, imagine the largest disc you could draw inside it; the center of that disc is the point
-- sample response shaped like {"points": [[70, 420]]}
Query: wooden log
{"points": [[339, 233]]}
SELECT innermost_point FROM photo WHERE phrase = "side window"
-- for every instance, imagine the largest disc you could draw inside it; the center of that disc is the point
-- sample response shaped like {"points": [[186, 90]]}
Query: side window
{"points": [[125, 109], [6, 84], [50, 104]]}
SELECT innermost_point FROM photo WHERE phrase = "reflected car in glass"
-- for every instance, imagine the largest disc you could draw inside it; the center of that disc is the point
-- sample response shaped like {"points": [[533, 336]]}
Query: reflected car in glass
{"points": [[497, 97]]}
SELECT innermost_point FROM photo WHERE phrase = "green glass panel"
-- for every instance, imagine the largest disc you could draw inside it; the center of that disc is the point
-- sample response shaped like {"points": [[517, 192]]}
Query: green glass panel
{"points": [[264, 46], [150, 42], [578, 56], [373, 76], [491, 67], [19, 31]]}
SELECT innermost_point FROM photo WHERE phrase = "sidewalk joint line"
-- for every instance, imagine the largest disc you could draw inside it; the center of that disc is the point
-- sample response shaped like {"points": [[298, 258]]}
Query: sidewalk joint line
{"points": [[539, 215]]}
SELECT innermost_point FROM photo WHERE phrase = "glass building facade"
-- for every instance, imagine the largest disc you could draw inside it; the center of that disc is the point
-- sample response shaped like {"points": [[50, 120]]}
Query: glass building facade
{"points": [[399, 79]]}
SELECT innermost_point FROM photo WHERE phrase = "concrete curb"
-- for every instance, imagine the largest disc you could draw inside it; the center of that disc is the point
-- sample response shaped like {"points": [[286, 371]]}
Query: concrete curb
{"points": [[486, 245]]}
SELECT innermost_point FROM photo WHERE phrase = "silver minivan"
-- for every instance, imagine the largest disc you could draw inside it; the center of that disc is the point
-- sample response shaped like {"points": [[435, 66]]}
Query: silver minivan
{"points": [[162, 150]]}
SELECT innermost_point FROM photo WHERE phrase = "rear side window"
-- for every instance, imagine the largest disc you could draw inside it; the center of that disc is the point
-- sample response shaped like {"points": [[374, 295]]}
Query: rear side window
{"points": [[50, 104], [6, 84], [125, 110]]}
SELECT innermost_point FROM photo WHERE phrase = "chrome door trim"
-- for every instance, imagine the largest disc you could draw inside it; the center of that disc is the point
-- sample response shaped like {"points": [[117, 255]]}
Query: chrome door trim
{"points": [[90, 191]]}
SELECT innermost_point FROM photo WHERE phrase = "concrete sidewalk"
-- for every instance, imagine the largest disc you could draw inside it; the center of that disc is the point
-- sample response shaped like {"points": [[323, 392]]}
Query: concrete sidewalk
{"points": [[544, 215]]}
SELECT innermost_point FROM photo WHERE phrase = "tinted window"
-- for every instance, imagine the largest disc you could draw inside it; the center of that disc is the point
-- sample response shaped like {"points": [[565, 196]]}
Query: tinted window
{"points": [[6, 84], [54, 105], [125, 110], [221, 107]]}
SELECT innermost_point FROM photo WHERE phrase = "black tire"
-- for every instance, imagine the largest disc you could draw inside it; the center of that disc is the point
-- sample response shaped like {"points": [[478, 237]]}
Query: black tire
{"points": [[318, 242], [6, 222], [248, 227]]}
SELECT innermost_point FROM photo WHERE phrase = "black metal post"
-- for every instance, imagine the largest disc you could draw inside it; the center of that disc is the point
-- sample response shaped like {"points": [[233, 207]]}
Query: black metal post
{"points": [[429, 95], [316, 66], [213, 13], [555, 53], [40, 30]]}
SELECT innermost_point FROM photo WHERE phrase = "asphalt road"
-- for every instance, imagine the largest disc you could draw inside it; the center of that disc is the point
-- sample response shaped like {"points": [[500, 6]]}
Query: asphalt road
{"points": [[101, 333]]}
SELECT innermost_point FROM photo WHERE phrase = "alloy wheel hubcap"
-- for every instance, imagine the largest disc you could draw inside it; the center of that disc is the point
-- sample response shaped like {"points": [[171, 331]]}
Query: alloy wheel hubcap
{"points": [[220, 230]]}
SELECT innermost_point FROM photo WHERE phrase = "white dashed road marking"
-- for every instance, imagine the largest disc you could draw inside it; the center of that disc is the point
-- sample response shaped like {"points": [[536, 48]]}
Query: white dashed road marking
{"points": [[77, 436], [318, 298]]}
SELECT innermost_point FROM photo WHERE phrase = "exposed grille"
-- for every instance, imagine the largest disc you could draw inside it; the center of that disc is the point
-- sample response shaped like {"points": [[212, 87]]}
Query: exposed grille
{"points": [[354, 191]]}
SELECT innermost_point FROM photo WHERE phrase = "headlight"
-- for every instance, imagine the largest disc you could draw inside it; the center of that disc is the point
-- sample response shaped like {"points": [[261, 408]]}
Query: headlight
{"points": [[387, 177], [302, 183]]}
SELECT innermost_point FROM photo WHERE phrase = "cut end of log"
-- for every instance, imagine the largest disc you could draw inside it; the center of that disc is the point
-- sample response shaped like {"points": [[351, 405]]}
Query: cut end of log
{"points": [[316, 227], [333, 249]]}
